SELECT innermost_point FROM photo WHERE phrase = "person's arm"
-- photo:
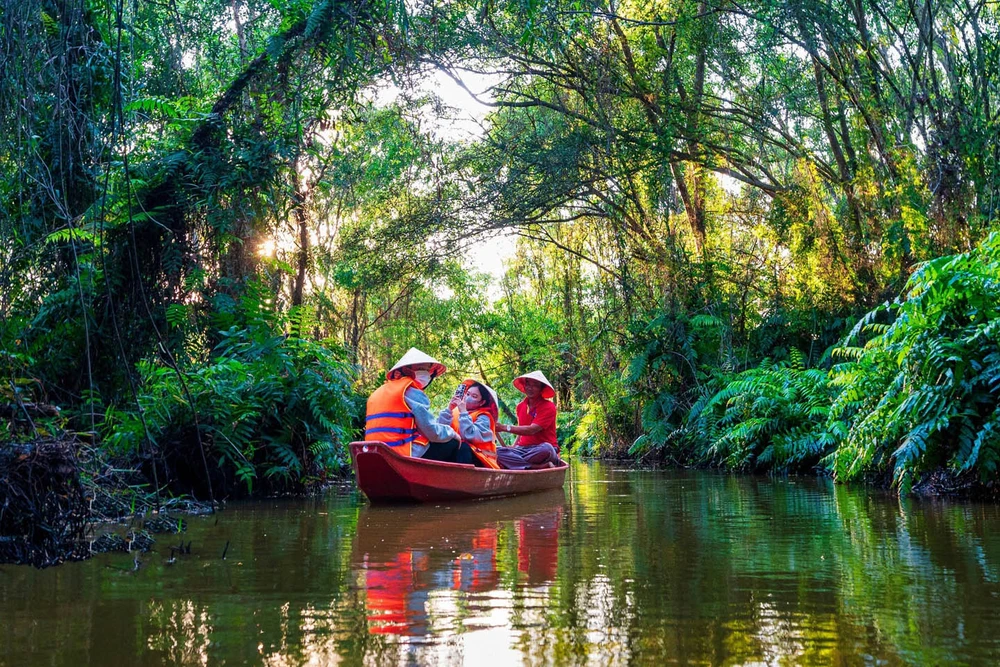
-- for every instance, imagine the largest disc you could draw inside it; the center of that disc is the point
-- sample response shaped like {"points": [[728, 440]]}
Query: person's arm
{"points": [[444, 417], [475, 431], [530, 429], [543, 419], [428, 426]]}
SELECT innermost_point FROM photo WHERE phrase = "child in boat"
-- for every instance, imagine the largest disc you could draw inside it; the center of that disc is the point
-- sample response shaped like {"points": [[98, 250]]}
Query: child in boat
{"points": [[474, 416], [399, 413], [536, 445]]}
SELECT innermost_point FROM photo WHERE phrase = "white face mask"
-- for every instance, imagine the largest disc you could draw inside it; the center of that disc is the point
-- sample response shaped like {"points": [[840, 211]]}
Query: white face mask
{"points": [[423, 378]]}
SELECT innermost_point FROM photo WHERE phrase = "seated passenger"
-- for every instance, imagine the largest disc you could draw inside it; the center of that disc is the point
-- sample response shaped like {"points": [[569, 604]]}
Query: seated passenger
{"points": [[399, 413], [474, 418], [536, 445]]}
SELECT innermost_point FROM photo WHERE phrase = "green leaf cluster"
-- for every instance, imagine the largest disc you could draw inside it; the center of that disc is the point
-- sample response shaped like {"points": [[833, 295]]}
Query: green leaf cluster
{"points": [[268, 407], [915, 389], [922, 390], [772, 417]]}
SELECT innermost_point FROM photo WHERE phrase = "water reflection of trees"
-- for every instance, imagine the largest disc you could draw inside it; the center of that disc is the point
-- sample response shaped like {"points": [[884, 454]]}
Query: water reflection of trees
{"points": [[623, 567], [734, 569], [730, 569]]}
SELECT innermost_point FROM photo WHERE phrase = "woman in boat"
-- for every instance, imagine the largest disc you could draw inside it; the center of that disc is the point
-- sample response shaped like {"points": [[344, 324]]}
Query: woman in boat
{"points": [[474, 418], [536, 445], [399, 413]]}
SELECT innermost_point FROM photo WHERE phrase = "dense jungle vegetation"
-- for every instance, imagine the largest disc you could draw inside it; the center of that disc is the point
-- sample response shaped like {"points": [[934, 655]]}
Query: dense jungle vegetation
{"points": [[753, 234]]}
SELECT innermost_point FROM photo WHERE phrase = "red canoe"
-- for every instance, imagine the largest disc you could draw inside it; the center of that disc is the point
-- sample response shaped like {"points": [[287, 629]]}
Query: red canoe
{"points": [[383, 474]]}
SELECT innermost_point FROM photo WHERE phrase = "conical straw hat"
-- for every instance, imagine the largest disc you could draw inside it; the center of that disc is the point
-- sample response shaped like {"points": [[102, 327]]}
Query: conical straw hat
{"points": [[411, 358], [548, 391]]}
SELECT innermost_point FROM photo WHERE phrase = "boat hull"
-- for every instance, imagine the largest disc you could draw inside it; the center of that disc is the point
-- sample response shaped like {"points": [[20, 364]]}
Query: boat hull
{"points": [[384, 475]]}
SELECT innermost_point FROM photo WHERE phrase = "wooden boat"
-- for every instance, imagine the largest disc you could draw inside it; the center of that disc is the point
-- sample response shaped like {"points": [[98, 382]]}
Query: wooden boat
{"points": [[384, 475]]}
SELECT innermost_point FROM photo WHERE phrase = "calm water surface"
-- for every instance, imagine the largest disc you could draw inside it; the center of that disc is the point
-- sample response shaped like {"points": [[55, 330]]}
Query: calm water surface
{"points": [[622, 567]]}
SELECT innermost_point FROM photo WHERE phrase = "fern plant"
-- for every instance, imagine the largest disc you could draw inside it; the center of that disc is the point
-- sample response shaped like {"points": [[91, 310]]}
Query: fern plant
{"points": [[269, 407], [921, 391], [667, 361], [769, 417]]}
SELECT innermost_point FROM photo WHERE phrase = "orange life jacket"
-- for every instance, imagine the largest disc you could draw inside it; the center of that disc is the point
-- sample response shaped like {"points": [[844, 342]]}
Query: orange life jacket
{"points": [[484, 451], [390, 419]]}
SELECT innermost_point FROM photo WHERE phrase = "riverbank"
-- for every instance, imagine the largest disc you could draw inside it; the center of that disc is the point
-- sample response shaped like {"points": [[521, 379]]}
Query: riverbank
{"points": [[62, 501]]}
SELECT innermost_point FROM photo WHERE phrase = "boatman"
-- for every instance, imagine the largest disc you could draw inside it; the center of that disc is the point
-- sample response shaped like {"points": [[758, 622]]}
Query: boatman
{"points": [[536, 445], [399, 413]]}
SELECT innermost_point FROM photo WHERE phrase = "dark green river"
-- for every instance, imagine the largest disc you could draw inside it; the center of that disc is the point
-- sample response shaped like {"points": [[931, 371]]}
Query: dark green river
{"points": [[622, 567]]}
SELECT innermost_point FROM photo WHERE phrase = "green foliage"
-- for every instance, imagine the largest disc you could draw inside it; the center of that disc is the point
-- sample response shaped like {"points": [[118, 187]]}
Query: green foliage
{"points": [[24, 423], [917, 388], [567, 429], [269, 407], [922, 391], [690, 195], [668, 357], [770, 417], [608, 423]]}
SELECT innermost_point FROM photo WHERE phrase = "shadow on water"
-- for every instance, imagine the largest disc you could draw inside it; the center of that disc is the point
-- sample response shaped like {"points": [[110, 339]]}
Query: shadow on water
{"points": [[621, 566]]}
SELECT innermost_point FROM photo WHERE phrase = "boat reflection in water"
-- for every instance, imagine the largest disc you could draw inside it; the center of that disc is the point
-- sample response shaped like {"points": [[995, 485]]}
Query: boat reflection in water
{"points": [[446, 569]]}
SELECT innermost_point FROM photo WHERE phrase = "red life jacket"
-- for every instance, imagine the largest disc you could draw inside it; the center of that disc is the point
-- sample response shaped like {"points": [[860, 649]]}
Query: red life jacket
{"points": [[484, 451], [390, 419], [538, 545]]}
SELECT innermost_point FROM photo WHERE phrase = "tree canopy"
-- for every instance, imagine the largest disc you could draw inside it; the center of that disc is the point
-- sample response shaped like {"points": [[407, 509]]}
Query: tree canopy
{"points": [[706, 198]]}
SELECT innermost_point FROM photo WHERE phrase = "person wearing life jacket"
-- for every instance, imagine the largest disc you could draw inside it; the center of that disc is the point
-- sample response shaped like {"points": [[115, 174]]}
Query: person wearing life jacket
{"points": [[399, 413], [536, 445], [474, 418]]}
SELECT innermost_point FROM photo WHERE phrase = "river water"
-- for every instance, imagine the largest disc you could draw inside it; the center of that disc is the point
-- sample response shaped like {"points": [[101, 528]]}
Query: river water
{"points": [[621, 567]]}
